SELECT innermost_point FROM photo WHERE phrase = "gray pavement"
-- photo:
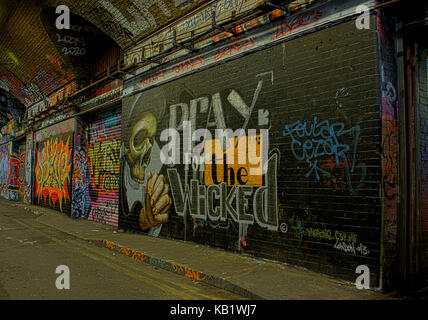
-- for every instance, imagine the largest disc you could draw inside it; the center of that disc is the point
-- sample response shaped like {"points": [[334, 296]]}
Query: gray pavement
{"points": [[30, 253], [241, 275]]}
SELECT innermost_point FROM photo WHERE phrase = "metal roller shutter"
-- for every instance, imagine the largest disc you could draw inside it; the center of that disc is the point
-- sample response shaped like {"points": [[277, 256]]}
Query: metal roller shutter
{"points": [[4, 170], [104, 167], [53, 164], [14, 165]]}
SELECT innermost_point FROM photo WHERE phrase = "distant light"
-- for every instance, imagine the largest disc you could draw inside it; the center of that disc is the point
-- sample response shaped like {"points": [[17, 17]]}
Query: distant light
{"points": [[13, 57]]}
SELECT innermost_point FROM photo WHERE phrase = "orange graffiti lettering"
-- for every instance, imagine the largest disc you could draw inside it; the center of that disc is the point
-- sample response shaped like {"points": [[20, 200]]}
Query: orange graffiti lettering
{"points": [[110, 245], [52, 171], [189, 273]]}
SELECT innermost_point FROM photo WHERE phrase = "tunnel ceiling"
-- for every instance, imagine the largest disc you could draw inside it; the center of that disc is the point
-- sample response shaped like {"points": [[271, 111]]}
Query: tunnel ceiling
{"points": [[33, 61], [10, 107], [30, 65], [128, 21]]}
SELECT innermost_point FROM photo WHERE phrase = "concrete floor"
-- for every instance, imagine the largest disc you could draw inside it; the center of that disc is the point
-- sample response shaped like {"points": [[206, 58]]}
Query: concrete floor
{"points": [[30, 253], [35, 240]]}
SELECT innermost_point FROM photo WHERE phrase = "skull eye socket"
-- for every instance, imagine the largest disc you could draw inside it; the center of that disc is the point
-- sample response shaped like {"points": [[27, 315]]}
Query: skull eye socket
{"points": [[147, 156], [139, 139], [147, 145]]}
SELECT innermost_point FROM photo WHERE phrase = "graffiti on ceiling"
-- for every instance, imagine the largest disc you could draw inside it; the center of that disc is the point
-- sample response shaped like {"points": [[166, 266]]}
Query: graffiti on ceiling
{"points": [[128, 21], [36, 58], [10, 107]]}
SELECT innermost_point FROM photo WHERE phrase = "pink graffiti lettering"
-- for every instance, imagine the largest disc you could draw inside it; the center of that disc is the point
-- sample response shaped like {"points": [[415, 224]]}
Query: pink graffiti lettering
{"points": [[189, 64], [302, 19], [235, 47], [152, 77]]}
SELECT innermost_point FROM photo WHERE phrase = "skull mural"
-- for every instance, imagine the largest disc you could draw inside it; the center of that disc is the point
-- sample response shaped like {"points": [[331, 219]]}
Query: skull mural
{"points": [[140, 146], [154, 195]]}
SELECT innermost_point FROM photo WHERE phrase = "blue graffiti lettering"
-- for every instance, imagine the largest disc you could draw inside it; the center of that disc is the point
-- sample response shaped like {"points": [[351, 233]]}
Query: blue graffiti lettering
{"points": [[314, 142]]}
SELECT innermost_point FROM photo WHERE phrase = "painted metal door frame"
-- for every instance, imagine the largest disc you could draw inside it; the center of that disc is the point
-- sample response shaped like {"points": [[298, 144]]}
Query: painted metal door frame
{"points": [[411, 109], [403, 244], [21, 144], [420, 73], [32, 166]]}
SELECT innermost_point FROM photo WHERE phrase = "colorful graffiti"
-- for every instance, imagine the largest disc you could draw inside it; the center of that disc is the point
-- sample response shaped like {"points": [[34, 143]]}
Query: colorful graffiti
{"points": [[148, 195], [14, 169], [103, 163], [389, 150], [28, 169], [52, 172], [218, 203], [4, 170], [300, 20], [390, 139], [55, 130], [101, 185], [12, 173], [234, 44], [17, 174], [205, 194], [21, 177], [309, 203], [80, 203], [80, 177], [105, 209], [320, 165]]}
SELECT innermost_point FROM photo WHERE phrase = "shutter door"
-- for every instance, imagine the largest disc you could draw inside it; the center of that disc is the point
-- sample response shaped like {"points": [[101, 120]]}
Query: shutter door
{"points": [[104, 167], [14, 166], [4, 170], [52, 170]]}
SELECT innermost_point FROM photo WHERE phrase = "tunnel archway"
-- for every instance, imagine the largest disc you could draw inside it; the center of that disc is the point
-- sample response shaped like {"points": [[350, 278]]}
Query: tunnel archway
{"points": [[84, 47]]}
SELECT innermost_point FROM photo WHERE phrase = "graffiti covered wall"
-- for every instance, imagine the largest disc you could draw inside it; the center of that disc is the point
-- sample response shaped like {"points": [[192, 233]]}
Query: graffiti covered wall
{"points": [[103, 161], [317, 201], [53, 162], [19, 170], [14, 168], [80, 179], [28, 169], [95, 179], [12, 173], [390, 143], [4, 170]]}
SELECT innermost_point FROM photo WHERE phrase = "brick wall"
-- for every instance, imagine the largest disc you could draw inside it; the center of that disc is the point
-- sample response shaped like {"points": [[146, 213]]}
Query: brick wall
{"points": [[319, 203]]}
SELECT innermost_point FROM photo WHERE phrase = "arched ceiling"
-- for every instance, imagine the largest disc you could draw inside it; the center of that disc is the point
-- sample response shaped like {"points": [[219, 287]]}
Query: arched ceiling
{"points": [[34, 57], [10, 107], [30, 65], [128, 21]]}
